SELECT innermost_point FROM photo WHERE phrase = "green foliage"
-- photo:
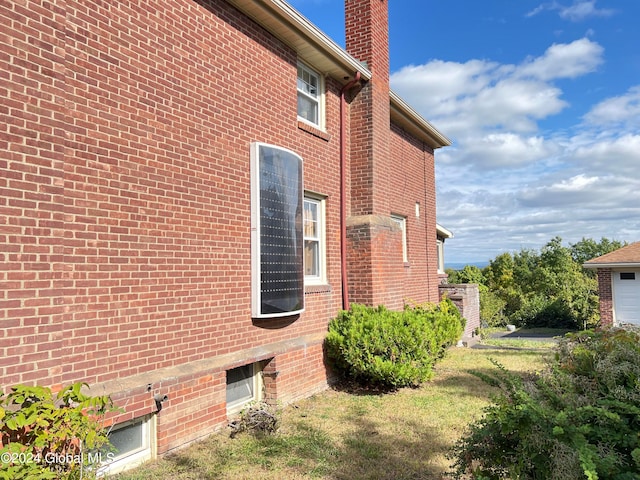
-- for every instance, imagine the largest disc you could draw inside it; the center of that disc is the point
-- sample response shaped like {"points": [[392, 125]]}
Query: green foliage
{"points": [[579, 418], [547, 288], [389, 349], [469, 274], [588, 249], [51, 436]]}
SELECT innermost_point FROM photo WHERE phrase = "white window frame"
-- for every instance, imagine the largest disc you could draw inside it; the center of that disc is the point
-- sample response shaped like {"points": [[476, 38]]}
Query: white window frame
{"points": [[440, 246], [321, 278], [119, 462], [257, 386], [318, 99], [401, 221]]}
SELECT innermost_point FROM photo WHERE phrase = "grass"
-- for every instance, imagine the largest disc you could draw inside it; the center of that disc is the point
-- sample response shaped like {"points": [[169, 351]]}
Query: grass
{"points": [[344, 433], [520, 343]]}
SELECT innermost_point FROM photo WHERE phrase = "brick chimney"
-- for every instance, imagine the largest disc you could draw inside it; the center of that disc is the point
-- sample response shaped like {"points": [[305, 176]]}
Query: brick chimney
{"points": [[374, 241], [367, 39]]}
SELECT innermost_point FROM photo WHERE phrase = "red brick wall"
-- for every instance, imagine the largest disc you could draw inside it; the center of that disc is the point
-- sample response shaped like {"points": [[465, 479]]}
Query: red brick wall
{"points": [[125, 203], [125, 214], [605, 291], [412, 179]]}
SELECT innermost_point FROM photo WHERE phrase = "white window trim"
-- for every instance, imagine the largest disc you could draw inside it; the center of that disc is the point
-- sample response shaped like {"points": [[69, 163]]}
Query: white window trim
{"points": [[237, 406], [126, 461], [320, 99], [321, 202], [440, 246], [401, 220]]}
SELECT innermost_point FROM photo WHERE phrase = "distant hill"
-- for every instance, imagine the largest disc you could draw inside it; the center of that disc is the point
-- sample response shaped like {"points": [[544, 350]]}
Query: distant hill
{"points": [[460, 266]]}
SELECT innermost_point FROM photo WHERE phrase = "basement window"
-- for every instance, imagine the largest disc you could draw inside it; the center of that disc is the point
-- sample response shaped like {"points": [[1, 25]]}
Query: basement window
{"points": [[243, 386], [277, 237], [133, 445], [627, 275]]}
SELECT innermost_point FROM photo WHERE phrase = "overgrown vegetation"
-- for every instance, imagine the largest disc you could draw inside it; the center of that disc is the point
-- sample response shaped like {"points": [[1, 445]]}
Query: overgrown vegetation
{"points": [[578, 418], [47, 436], [347, 434], [549, 288], [388, 349]]}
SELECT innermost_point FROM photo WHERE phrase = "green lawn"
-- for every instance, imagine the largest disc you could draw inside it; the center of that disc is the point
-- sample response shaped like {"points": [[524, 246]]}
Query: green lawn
{"points": [[343, 434]]}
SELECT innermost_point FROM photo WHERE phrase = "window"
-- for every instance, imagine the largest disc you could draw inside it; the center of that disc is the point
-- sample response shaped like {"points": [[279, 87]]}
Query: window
{"points": [[132, 442], [627, 275], [277, 242], [402, 223], [314, 244], [309, 95], [440, 256], [243, 386]]}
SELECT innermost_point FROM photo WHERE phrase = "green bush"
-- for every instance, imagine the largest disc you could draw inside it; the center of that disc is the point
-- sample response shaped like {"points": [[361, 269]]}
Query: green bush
{"points": [[47, 436], [578, 419], [388, 349]]}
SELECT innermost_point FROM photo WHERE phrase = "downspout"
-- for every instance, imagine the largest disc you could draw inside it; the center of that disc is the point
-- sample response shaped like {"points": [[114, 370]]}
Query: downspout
{"points": [[343, 193]]}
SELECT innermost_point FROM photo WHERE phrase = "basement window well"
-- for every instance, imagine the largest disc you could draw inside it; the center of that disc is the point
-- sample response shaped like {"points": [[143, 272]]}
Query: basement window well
{"points": [[244, 386]]}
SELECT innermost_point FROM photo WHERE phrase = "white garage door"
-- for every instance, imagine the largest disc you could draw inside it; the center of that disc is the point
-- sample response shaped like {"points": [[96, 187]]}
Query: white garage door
{"points": [[626, 296]]}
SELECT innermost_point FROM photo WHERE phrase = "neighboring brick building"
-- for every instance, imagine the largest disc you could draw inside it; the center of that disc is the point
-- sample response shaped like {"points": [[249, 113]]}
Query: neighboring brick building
{"points": [[619, 285], [153, 157]]}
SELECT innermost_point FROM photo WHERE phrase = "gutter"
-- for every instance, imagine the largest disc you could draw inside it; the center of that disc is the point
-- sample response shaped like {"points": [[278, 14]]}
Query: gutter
{"points": [[612, 265]]}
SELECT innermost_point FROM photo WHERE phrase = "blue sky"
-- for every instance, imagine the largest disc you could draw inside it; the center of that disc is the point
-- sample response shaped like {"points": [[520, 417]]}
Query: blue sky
{"points": [[542, 103]]}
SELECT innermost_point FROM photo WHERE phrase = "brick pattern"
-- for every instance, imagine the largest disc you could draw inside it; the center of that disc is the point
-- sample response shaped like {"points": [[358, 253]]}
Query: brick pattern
{"points": [[412, 178], [466, 297], [605, 291], [125, 132]]}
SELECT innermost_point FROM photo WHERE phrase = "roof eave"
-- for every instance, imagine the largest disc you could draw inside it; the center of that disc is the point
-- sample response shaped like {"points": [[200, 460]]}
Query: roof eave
{"points": [[612, 265], [443, 231], [323, 54], [311, 44], [406, 117]]}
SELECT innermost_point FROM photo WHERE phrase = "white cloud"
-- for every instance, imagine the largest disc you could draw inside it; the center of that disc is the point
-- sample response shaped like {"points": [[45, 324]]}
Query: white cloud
{"points": [[507, 185], [621, 110], [581, 10], [578, 11], [491, 110], [565, 61]]}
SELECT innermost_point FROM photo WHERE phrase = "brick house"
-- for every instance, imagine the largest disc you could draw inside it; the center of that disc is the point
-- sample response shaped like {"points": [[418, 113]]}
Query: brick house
{"points": [[189, 191], [618, 285]]}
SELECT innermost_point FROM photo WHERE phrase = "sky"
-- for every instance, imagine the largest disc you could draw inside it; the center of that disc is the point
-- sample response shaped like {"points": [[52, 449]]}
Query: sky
{"points": [[542, 103]]}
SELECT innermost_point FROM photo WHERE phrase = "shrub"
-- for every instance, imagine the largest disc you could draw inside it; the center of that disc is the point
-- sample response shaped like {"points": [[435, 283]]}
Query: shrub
{"points": [[389, 349], [45, 436], [579, 418]]}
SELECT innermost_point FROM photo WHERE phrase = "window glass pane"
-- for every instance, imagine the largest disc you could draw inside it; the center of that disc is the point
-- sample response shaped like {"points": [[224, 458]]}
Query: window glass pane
{"points": [[627, 276], [310, 219], [127, 439], [240, 384], [312, 258], [307, 109]]}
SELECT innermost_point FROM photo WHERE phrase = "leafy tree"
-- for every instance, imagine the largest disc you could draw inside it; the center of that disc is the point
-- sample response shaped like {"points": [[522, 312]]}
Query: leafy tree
{"points": [[546, 288], [588, 249]]}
